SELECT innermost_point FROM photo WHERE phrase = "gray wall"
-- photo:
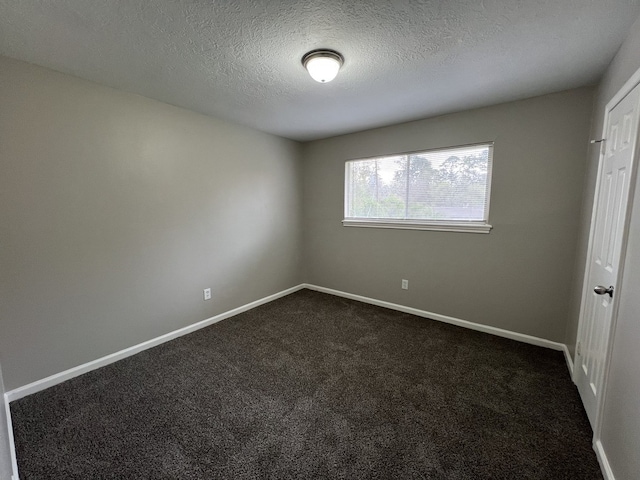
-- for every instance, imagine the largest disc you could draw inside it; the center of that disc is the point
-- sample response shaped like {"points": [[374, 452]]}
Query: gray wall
{"points": [[116, 211], [514, 278], [620, 434]]}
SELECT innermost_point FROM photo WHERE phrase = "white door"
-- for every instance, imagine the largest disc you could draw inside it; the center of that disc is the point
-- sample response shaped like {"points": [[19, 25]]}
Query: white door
{"points": [[608, 229]]}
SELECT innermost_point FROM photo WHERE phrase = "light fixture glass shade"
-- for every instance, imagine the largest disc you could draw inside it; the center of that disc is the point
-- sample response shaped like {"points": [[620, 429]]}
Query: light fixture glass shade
{"points": [[322, 65]]}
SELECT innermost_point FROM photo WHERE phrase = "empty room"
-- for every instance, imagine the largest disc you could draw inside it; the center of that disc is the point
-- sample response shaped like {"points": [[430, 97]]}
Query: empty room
{"points": [[335, 240]]}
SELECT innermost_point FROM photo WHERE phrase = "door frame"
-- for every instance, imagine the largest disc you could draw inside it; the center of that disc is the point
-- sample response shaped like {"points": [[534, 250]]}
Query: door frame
{"points": [[629, 85], [7, 441]]}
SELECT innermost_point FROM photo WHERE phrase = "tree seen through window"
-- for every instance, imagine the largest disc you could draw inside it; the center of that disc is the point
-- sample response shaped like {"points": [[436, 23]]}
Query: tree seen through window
{"points": [[439, 185]]}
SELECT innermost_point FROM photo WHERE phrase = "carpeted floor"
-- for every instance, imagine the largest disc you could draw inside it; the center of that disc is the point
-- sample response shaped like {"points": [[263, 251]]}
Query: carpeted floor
{"points": [[314, 386]]}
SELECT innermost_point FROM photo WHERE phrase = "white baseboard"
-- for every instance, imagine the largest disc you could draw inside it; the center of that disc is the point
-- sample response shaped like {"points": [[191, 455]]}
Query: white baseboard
{"points": [[603, 461], [52, 380], [12, 443], [521, 337], [567, 357], [57, 378]]}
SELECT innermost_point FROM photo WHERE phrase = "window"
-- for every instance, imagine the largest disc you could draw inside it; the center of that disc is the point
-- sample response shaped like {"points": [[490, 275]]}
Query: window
{"points": [[443, 189]]}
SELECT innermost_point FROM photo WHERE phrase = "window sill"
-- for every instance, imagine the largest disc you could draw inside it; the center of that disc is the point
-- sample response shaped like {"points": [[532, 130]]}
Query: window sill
{"points": [[463, 227]]}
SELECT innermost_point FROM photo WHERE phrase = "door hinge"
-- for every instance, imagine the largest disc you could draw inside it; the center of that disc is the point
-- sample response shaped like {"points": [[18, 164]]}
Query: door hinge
{"points": [[579, 349]]}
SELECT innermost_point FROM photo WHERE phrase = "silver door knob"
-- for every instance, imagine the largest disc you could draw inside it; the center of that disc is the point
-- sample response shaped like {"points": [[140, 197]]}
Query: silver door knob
{"points": [[600, 290]]}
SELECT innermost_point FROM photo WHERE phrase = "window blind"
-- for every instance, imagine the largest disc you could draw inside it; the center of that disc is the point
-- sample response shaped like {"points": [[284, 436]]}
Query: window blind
{"points": [[444, 185]]}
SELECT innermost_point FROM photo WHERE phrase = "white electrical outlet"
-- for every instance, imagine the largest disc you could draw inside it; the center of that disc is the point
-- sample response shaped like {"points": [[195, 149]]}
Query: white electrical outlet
{"points": [[405, 284], [207, 294]]}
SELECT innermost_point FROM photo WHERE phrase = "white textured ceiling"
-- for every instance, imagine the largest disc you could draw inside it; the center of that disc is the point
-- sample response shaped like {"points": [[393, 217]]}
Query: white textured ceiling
{"points": [[240, 60]]}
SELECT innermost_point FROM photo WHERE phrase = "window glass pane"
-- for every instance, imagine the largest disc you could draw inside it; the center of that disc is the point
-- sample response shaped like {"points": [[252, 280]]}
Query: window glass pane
{"points": [[439, 185], [361, 186], [376, 188], [391, 194], [422, 187]]}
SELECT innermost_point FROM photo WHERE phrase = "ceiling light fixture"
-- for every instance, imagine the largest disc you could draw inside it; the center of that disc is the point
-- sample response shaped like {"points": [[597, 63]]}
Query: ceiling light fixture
{"points": [[322, 65]]}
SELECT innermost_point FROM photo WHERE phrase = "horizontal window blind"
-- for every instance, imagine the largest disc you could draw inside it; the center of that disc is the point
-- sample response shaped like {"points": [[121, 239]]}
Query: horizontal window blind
{"points": [[444, 185]]}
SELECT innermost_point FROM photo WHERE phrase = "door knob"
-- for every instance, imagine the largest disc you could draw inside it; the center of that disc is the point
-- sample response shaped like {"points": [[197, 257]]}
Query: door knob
{"points": [[600, 290]]}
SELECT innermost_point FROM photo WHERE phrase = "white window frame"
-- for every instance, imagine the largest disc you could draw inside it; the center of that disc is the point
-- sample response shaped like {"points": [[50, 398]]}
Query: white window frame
{"points": [[482, 226]]}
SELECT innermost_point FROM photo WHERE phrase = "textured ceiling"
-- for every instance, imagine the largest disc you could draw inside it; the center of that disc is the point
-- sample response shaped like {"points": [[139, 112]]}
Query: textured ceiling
{"points": [[240, 60]]}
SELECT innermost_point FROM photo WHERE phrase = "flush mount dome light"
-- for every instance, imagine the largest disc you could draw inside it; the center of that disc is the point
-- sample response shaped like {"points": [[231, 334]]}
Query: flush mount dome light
{"points": [[322, 65]]}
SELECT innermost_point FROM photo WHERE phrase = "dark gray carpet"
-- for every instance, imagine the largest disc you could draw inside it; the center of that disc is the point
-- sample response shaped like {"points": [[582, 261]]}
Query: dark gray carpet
{"points": [[314, 386]]}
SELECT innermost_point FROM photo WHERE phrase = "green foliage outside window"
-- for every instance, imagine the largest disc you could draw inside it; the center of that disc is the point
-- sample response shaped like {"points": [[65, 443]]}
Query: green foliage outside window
{"points": [[440, 185]]}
